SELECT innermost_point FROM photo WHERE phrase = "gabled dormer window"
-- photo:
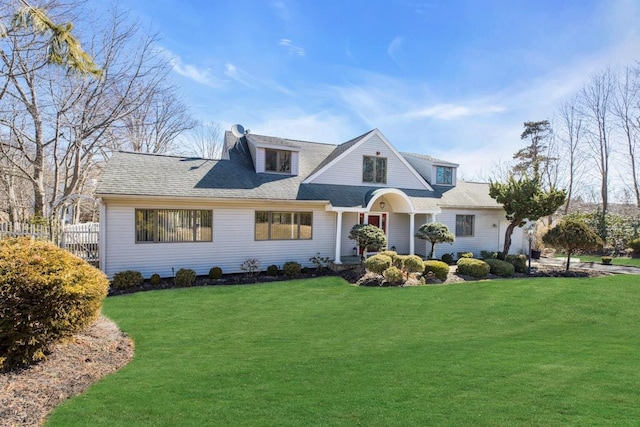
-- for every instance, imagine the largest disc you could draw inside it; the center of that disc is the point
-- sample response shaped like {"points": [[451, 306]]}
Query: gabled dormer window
{"points": [[374, 169], [444, 175], [277, 161]]}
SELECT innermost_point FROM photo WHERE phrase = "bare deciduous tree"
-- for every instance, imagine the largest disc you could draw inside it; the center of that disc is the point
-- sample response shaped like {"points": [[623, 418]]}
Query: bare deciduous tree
{"points": [[570, 140], [205, 140]]}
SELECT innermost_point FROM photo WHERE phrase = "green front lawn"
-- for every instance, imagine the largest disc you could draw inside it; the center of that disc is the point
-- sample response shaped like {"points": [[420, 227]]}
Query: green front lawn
{"points": [[321, 352], [632, 262]]}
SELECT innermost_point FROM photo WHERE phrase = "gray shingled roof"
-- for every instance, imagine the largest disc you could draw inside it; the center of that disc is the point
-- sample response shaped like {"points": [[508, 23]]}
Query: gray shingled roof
{"points": [[234, 177], [429, 158]]}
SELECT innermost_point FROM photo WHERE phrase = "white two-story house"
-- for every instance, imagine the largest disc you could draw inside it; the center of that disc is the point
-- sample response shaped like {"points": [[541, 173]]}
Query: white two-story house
{"points": [[277, 200]]}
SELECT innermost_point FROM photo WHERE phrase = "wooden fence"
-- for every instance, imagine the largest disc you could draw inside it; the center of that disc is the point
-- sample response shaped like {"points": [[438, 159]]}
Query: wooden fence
{"points": [[79, 239]]}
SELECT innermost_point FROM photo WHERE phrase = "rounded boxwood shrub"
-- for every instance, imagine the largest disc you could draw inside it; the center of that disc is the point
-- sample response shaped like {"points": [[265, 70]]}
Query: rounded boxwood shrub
{"points": [[393, 275], [398, 261], [272, 270], [500, 268], [215, 273], [413, 264], [389, 253], [155, 279], [378, 263], [184, 277], [292, 268], [473, 267], [518, 261], [447, 259], [126, 279], [635, 245], [46, 294], [465, 254], [438, 268]]}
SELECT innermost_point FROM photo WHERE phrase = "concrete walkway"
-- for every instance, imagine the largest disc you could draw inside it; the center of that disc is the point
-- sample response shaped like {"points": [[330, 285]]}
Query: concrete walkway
{"points": [[579, 265]]}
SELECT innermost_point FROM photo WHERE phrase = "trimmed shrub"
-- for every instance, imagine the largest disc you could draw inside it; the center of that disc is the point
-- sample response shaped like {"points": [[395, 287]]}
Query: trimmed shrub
{"points": [[215, 273], [393, 275], [378, 263], [155, 279], [413, 264], [447, 259], [46, 294], [465, 255], [473, 267], [272, 270], [606, 260], [488, 255], [292, 268], [127, 279], [635, 245], [500, 268], [184, 277], [438, 268], [398, 261], [390, 254], [518, 261]]}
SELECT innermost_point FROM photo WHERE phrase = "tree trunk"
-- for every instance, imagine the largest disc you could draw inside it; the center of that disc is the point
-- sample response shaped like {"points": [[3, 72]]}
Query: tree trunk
{"points": [[568, 260], [433, 245], [507, 236]]}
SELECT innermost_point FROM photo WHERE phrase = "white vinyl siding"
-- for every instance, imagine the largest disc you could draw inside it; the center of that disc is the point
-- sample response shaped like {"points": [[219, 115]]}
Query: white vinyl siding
{"points": [[233, 240], [349, 169], [487, 232]]}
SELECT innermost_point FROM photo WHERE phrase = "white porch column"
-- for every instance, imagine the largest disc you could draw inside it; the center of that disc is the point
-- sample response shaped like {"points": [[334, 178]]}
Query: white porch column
{"points": [[337, 259], [412, 231]]}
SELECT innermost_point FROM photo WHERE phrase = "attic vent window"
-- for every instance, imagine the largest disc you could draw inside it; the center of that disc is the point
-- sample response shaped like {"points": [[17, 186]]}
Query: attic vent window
{"points": [[374, 169], [444, 175], [277, 161]]}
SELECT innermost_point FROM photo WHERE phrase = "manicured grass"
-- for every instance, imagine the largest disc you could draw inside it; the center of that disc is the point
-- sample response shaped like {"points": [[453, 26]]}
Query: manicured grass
{"points": [[633, 262], [321, 352]]}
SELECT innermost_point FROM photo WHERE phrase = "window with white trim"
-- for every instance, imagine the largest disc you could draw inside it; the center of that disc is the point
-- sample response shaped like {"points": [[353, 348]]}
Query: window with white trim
{"points": [[374, 169], [283, 225], [173, 225], [465, 225], [444, 175], [277, 161]]}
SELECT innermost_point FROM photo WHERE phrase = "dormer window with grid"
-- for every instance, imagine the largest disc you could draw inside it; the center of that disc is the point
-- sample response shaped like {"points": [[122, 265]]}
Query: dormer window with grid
{"points": [[277, 161], [444, 175]]}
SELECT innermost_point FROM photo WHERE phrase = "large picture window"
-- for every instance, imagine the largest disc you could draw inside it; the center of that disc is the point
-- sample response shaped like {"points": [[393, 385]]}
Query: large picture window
{"points": [[173, 225], [283, 225], [277, 161], [374, 169], [464, 225], [444, 175]]}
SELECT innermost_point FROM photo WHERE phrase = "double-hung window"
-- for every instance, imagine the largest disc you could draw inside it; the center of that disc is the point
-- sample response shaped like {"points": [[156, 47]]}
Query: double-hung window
{"points": [[465, 225], [283, 225], [173, 225], [374, 169]]}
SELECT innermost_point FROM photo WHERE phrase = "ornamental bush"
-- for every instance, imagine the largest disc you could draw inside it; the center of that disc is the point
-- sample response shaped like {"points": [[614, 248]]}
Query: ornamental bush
{"points": [[413, 264], [500, 268], [398, 261], [292, 268], [519, 262], [215, 273], [473, 267], [390, 254], [447, 259], [378, 263], [155, 279], [438, 268], [635, 245], [272, 270], [393, 275], [184, 277], [46, 294], [127, 279]]}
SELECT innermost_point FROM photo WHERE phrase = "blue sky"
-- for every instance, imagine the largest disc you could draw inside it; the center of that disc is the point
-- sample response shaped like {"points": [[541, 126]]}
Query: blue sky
{"points": [[453, 79]]}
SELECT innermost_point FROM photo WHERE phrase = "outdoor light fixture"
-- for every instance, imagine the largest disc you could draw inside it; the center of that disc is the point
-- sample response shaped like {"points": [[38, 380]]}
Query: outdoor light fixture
{"points": [[382, 204], [530, 238]]}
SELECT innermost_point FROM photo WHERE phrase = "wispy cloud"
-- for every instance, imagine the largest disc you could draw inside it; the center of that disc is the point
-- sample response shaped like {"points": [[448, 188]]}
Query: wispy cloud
{"points": [[192, 72], [454, 111], [394, 47], [249, 80], [291, 48]]}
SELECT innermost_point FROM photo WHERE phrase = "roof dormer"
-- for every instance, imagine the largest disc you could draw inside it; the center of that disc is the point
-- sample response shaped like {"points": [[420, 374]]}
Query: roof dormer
{"points": [[274, 155]]}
